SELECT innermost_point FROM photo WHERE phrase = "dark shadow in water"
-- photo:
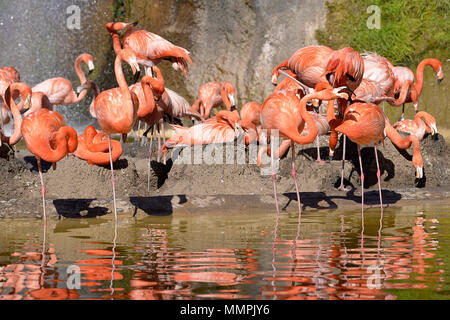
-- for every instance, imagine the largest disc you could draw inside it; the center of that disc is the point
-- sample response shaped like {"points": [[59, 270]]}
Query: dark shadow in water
{"points": [[310, 199], [372, 197], [155, 206], [78, 208]]}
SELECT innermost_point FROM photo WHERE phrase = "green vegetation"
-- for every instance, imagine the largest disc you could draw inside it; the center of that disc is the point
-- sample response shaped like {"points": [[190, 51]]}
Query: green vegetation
{"points": [[410, 29]]}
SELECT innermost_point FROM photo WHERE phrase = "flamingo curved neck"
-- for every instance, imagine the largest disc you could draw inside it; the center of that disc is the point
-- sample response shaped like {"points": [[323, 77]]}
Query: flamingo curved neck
{"points": [[120, 78], [78, 70], [66, 142], [419, 73]]}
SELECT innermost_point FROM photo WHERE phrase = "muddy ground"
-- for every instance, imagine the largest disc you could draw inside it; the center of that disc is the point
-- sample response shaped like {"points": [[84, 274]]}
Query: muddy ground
{"points": [[75, 179]]}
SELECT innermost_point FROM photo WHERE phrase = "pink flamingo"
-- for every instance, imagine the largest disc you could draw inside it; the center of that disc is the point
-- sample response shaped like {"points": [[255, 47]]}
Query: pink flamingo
{"points": [[213, 95], [287, 114], [25, 93], [48, 138], [149, 48], [116, 109], [404, 74], [60, 90]]}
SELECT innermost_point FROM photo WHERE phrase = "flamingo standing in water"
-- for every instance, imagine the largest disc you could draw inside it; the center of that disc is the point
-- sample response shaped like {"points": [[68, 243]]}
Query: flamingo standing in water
{"points": [[48, 138], [403, 74], [364, 124], [213, 95], [287, 114], [149, 48], [25, 93], [60, 90], [116, 109]]}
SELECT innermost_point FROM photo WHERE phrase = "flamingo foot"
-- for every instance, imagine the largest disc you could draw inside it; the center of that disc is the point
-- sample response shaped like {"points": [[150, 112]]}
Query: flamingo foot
{"points": [[320, 161], [343, 188]]}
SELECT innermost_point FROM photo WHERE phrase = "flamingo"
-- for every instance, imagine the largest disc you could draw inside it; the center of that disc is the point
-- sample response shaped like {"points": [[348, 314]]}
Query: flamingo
{"points": [[251, 121], [423, 122], [405, 143], [93, 147], [223, 128], [48, 138], [116, 109], [161, 100], [364, 124], [378, 70], [212, 95], [403, 74], [322, 129], [25, 93], [320, 64], [149, 48], [8, 75], [60, 90], [287, 114]]}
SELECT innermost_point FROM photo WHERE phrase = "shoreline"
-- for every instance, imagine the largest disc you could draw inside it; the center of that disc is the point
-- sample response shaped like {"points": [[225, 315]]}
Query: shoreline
{"points": [[164, 205]]}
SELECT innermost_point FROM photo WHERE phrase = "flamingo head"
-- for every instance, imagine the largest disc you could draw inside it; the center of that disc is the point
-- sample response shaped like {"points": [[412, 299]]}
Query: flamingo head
{"points": [[19, 89], [228, 91], [129, 56], [418, 165], [440, 75], [345, 67], [113, 27]]}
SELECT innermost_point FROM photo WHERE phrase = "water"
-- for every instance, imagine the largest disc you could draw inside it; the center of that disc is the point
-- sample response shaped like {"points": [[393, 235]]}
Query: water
{"points": [[242, 255]]}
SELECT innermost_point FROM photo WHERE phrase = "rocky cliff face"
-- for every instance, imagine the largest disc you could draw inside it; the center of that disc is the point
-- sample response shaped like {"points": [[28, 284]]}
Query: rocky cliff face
{"points": [[237, 41]]}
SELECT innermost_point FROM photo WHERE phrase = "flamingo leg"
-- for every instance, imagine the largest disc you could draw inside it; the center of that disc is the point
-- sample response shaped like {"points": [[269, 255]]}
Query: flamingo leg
{"points": [[143, 140], [318, 150], [149, 160], [159, 142], [164, 139], [341, 187], [138, 135], [43, 188], [112, 176], [402, 117], [379, 177], [294, 176], [272, 163], [362, 178]]}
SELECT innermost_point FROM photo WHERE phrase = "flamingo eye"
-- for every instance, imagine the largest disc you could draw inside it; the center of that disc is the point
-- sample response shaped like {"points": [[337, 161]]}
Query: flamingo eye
{"points": [[350, 77]]}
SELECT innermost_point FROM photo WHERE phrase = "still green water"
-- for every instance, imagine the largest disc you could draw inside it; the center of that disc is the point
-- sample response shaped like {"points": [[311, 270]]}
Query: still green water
{"points": [[243, 255]]}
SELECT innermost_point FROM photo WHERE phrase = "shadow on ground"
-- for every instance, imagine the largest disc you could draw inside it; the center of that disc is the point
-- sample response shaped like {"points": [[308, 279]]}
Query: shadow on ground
{"points": [[78, 208]]}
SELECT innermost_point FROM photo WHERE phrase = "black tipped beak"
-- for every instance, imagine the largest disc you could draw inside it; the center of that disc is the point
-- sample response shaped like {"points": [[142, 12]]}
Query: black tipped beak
{"points": [[136, 76], [316, 109], [233, 108], [440, 80], [22, 112], [90, 71], [134, 24]]}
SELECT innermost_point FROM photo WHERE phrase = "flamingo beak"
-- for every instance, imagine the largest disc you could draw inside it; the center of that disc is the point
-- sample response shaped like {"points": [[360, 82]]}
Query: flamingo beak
{"points": [[232, 101], [419, 172], [136, 72], [133, 24], [81, 88], [91, 66], [440, 80], [433, 129]]}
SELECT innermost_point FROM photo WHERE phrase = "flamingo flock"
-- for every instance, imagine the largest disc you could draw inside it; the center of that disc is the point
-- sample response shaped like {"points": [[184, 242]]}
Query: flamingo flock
{"points": [[349, 84]]}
